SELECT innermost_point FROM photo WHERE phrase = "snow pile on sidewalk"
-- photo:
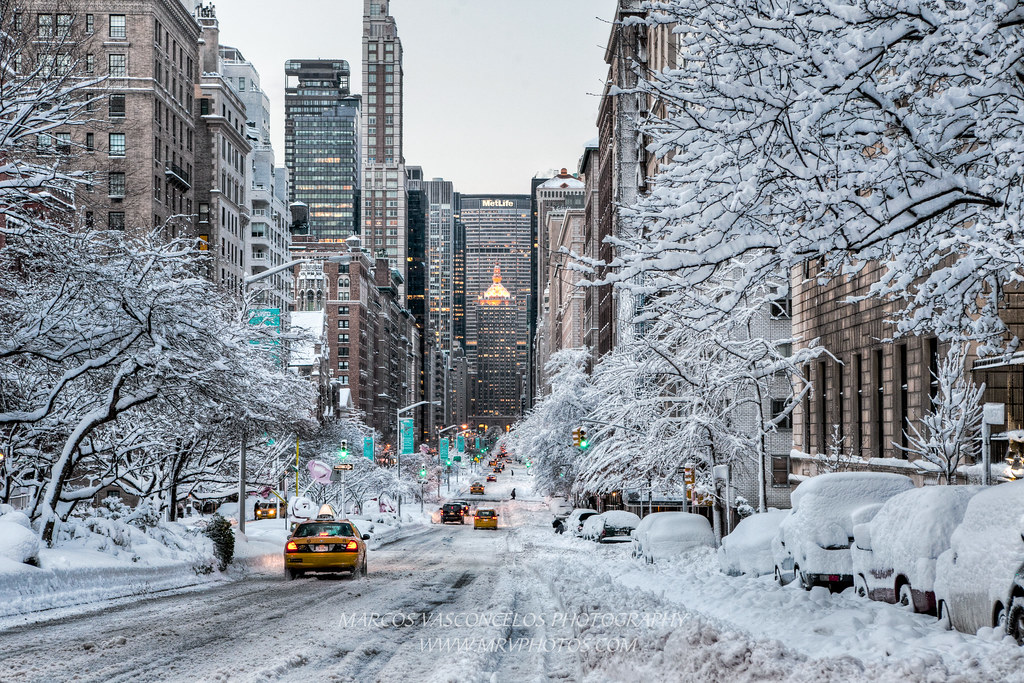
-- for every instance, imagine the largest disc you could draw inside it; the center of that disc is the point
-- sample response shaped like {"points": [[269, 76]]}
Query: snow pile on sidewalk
{"points": [[386, 527]]}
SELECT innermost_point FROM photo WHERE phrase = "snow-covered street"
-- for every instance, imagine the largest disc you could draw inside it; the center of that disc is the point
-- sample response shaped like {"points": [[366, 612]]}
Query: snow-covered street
{"points": [[520, 603]]}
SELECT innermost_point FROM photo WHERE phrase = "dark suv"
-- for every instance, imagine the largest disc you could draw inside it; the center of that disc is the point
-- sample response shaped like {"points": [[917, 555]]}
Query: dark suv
{"points": [[452, 512]]}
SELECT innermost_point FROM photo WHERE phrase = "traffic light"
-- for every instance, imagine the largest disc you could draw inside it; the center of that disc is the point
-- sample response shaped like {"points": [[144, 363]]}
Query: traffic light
{"points": [[583, 439], [343, 451], [576, 437], [423, 473]]}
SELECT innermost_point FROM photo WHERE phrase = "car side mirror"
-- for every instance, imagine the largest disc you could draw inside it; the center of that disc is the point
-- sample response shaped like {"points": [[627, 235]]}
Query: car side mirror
{"points": [[366, 537]]}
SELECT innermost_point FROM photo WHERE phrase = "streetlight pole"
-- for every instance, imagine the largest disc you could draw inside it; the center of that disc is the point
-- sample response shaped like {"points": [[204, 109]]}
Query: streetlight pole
{"points": [[246, 282], [398, 441]]}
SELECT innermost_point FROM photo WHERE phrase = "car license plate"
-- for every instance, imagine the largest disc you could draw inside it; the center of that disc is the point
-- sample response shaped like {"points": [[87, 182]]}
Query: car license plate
{"points": [[321, 548]]}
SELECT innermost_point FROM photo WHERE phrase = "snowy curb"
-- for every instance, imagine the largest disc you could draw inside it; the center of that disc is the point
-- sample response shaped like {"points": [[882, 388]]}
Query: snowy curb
{"points": [[37, 590], [397, 534]]}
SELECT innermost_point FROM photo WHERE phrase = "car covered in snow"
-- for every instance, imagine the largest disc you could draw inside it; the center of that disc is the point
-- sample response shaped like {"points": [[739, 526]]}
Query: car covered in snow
{"points": [[560, 508], [813, 542], [748, 549], [614, 526], [574, 522], [662, 535], [894, 554], [325, 546], [979, 580]]}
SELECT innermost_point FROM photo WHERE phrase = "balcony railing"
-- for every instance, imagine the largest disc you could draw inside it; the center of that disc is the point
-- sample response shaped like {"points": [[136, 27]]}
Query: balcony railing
{"points": [[176, 175]]}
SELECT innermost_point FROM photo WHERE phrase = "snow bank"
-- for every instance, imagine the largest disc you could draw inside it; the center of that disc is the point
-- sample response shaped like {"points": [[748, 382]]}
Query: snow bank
{"points": [[18, 544], [748, 549]]}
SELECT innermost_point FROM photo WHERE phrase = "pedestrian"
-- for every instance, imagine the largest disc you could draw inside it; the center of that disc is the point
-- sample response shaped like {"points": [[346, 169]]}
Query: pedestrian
{"points": [[513, 472], [513, 494], [558, 525]]}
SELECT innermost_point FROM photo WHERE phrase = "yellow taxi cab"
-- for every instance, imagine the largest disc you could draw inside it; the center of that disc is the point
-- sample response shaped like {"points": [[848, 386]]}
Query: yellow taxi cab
{"points": [[265, 510], [485, 519], [325, 545], [476, 489]]}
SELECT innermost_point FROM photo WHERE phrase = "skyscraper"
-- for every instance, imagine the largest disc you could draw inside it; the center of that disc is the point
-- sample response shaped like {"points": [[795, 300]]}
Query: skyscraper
{"points": [[440, 263], [321, 146], [384, 180], [498, 383], [497, 232]]}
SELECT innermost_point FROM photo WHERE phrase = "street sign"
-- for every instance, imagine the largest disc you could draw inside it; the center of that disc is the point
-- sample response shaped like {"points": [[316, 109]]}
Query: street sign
{"points": [[368, 448], [460, 443], [408, 438], [343, 466], [457, 458]]}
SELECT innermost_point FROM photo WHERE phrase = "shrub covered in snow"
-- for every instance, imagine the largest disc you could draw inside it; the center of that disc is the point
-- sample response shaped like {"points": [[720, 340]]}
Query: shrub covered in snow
{"points": [[219, 531], [612, 526]]}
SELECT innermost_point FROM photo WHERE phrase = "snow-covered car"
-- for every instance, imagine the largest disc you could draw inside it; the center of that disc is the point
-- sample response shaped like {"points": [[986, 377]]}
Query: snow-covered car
{"points": [[748, 549], [614, 526], [661, 535], [574, 522], [979, 580], [560, 507], [18, 542], [894, 554], [813, 543]]}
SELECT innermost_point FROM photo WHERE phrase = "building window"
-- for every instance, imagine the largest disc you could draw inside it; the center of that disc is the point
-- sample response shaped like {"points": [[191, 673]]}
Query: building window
{"points": [[343, 310], [44, 143], [117, 145], [204, 107], [157, 186], [343, 339], [116, 106], [241, 84], [344, 379], [116, 184], [342, 324], [204, 212], [118, 26], [117, 65], [343, 365], [115, 220], [44, 25], [780, 470], [89, 221], [90, 23], [782, 307], [778, 407], [63, 25], [343, 351], [90, 141], [90, 64]]}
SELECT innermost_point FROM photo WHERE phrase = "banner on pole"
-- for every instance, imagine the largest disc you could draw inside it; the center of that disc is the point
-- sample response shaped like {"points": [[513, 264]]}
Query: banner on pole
{"points": [[460, 443], [408, 439], [444, 449], [368, 448]]}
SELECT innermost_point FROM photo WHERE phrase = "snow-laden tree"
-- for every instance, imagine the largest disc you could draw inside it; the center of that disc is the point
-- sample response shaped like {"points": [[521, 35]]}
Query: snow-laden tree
{"points": [[544, 435], [110, 325], [845, 133], [950, 431], [695, 391]]}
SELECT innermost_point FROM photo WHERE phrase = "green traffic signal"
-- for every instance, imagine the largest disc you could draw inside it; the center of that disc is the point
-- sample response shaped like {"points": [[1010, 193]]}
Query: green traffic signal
{"points": [[423, 473]]}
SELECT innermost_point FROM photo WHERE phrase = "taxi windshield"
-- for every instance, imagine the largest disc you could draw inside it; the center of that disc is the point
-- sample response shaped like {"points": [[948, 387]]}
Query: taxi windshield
{"points": [[324, 529], [485, 513]]}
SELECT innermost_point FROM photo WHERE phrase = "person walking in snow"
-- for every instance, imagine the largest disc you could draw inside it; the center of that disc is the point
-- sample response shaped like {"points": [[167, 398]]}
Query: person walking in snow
{"points": [[513, 472], [513, 494]]}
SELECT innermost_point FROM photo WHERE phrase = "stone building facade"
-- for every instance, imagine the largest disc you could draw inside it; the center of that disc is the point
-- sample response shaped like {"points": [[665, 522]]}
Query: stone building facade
{"points": [[138, 140]]}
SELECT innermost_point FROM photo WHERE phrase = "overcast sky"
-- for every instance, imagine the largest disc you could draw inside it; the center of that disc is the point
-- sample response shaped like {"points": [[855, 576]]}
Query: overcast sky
{"points": [[495, 90]]}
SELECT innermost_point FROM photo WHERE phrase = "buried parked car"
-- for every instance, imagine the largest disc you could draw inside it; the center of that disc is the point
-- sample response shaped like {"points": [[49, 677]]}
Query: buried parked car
{"points": [[574, 522], [894, 554], [614, 526], [662, 535], [979, 580], [813, 543], [748, 549]]}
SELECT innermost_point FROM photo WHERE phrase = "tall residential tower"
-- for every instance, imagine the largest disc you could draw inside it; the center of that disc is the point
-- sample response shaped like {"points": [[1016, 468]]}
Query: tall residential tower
{"points": [[385, 225]]}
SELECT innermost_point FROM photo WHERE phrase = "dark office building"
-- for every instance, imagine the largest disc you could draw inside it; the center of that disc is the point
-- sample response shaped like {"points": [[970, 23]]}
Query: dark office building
{"points": [[321, 145], [458, 277], [535, 286], [498, 383], [497, 233]]}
